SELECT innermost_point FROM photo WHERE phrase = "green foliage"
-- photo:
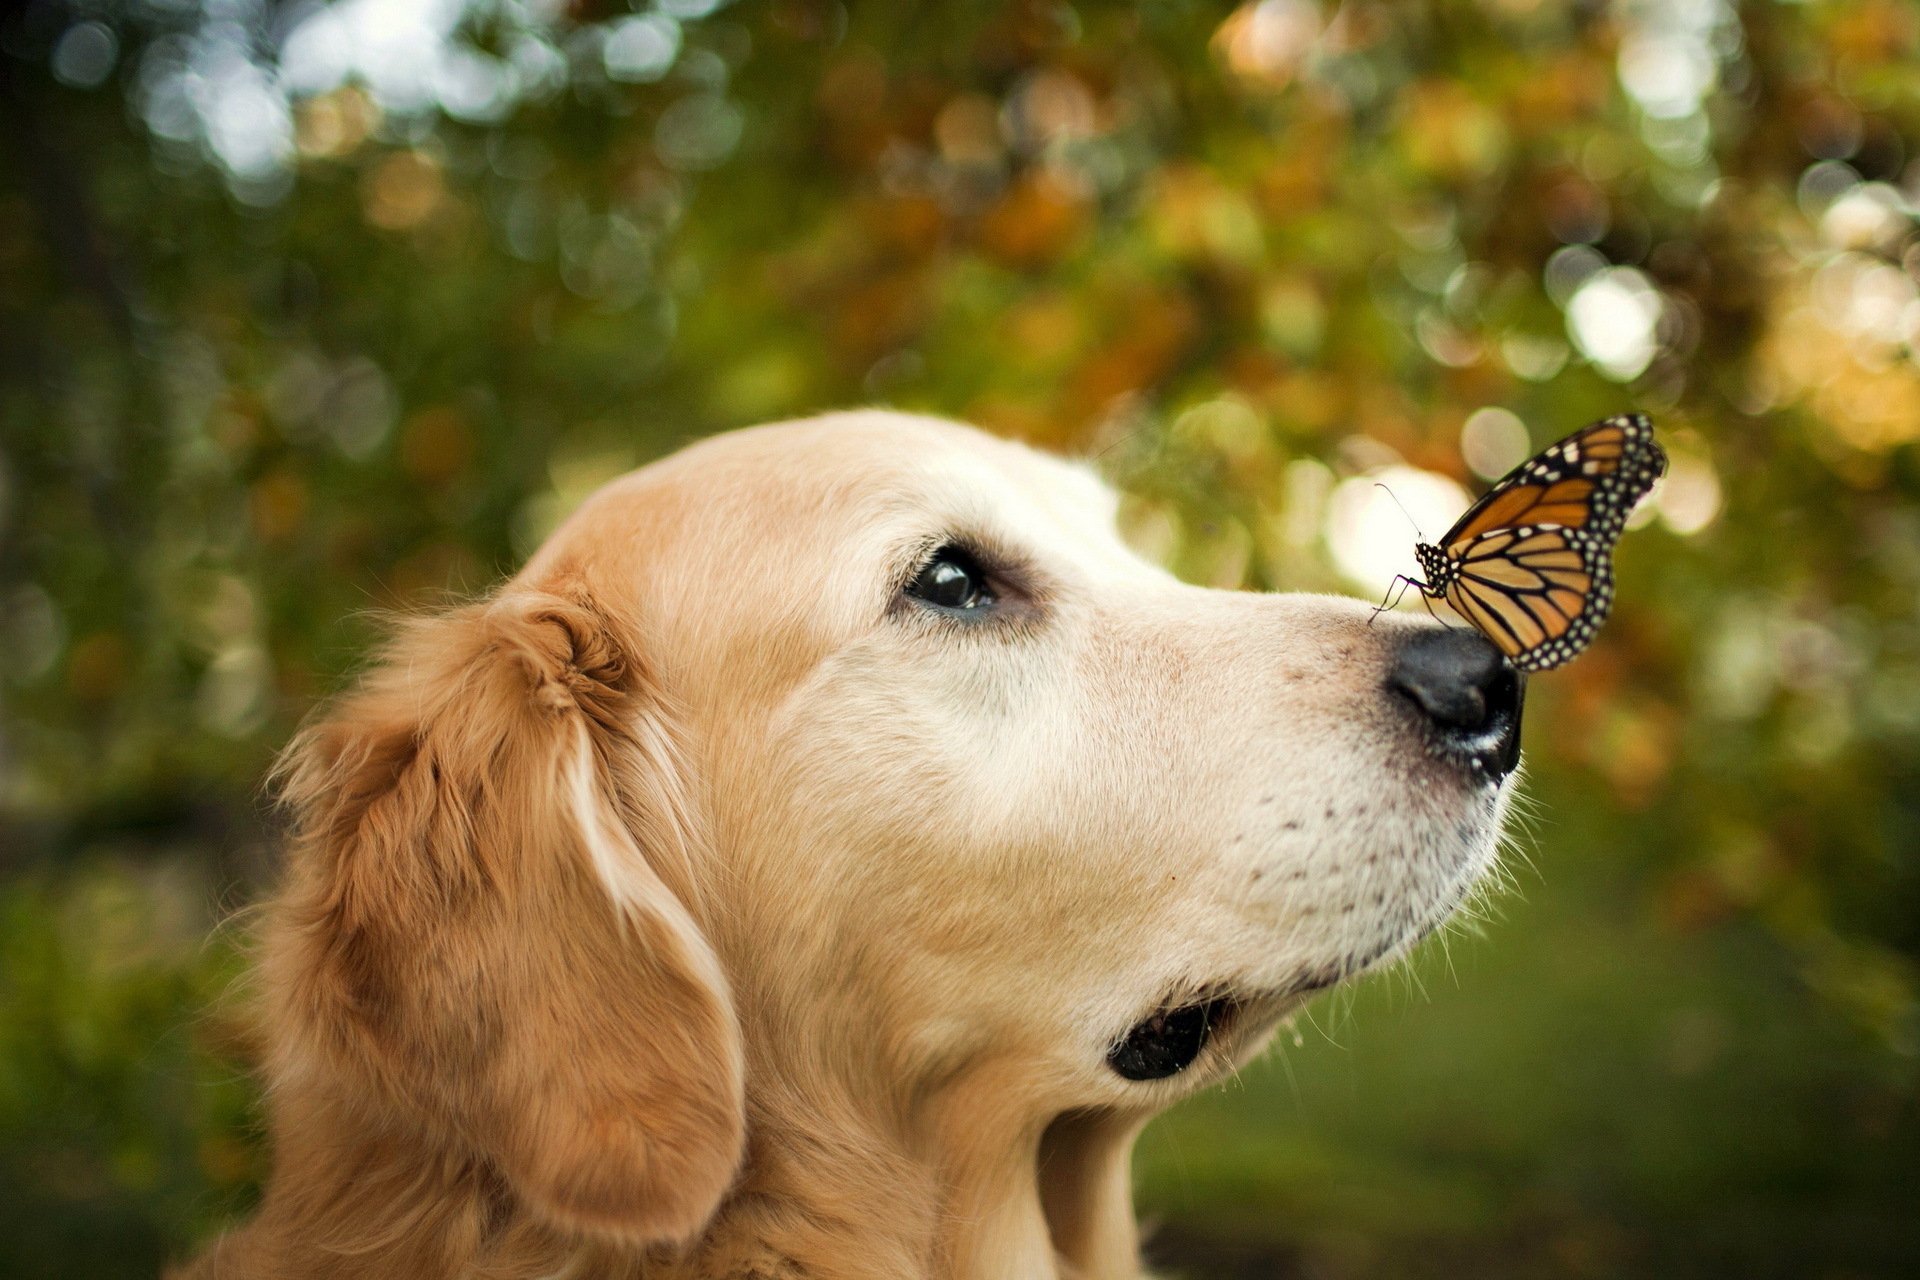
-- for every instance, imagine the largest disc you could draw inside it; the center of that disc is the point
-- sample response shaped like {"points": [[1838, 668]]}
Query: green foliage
{"points": [[123, 1134], [284, 346]]}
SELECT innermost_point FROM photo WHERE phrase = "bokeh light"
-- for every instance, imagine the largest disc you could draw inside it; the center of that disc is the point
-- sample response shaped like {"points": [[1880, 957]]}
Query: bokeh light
{"points": [[1493, 441], [1374, 520], [1613, 317]]}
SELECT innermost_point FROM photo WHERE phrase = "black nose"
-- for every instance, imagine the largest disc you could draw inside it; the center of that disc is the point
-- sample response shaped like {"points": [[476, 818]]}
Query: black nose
{"points": [[1467, 692]]}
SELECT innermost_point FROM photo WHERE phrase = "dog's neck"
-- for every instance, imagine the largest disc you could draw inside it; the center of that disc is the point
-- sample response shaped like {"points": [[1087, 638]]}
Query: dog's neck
{"points": [[834, 1187], [838, 1188]]}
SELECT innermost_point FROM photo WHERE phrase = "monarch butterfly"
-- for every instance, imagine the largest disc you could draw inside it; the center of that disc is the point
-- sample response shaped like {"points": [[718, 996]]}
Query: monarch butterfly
{"points": [[1531, 564]]}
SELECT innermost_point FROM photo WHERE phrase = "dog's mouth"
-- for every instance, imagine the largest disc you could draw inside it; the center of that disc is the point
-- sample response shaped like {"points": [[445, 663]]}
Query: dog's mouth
{"points": [[1172, 1038], [1167, 1041]]}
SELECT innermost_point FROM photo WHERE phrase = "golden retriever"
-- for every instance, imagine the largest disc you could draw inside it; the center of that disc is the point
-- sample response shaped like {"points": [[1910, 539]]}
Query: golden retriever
{"points": [[820, 861]]}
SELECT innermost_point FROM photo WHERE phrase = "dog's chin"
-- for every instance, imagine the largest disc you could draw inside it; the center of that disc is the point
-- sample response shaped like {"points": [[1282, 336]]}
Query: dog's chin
{"points": [[1214, 1023], [1224, 1022]]}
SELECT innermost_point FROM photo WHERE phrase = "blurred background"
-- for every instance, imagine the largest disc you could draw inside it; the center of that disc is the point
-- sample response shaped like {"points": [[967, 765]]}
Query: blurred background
{"points": [[312, 311]]}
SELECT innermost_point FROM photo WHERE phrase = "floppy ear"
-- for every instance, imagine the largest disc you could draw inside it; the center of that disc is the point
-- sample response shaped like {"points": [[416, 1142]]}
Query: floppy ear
{"points": [[485, 931]]}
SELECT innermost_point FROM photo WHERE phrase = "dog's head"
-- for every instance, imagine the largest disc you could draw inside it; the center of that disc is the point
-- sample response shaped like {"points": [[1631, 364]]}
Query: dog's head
{"points": [[858, 765]]}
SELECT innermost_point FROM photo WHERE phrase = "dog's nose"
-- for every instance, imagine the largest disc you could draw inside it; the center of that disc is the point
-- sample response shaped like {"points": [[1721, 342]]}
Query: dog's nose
{"points": [[1467, 691]]}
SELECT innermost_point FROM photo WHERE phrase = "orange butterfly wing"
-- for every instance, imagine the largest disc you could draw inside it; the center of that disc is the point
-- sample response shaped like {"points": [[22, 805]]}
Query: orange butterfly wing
{"points": [[1563, 485], [1538, 593], [1531, 564]]}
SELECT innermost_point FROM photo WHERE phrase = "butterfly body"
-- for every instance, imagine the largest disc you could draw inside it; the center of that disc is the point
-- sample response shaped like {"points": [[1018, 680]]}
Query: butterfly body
{"points": [[1531, 564]]}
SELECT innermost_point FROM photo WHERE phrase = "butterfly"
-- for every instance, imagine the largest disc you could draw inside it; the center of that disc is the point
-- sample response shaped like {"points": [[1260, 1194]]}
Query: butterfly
{"points": [[1531, 564]]}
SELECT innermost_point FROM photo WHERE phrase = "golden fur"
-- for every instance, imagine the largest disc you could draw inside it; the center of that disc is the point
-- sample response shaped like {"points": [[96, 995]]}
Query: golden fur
{"points": [[696, 906]]}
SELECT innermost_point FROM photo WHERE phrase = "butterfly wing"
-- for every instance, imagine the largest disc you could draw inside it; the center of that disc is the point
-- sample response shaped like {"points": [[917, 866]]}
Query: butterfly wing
{"points": [[1531, 563], [1538, 593], [1591, 479]]}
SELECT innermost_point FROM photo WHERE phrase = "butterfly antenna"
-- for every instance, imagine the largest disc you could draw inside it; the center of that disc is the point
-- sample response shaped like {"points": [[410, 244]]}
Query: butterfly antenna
{"points": [[1403, 511]]}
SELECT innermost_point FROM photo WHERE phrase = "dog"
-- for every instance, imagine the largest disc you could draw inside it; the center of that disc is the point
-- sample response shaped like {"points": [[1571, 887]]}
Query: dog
{"points": [[821, 860]]}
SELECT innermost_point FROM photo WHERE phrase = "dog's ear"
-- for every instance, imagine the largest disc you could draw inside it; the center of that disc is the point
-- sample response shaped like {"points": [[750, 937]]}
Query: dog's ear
{"points": [[486, 931]]}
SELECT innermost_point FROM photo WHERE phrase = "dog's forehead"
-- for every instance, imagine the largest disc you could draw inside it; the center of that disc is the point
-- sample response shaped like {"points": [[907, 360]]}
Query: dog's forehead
{"points": [[878, 478], [996, 494], [849, 500], [980, 484]]}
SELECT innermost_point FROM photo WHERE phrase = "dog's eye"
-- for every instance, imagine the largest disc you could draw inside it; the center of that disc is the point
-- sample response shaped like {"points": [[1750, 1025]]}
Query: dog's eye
{"points": [[951, 580]]}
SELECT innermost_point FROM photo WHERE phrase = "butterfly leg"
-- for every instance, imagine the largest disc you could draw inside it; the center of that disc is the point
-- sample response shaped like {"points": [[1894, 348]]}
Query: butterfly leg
{"points": [[1403, 582], [1392, 600]]}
